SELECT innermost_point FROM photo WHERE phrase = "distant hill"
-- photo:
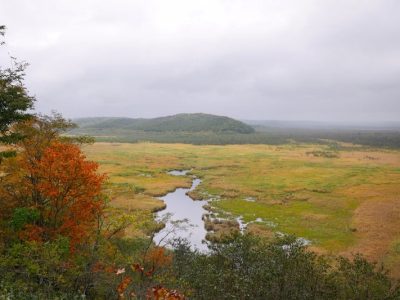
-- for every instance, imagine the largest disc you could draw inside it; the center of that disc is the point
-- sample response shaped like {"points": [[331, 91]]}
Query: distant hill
{"points": [[205, 129], [177, 123]]}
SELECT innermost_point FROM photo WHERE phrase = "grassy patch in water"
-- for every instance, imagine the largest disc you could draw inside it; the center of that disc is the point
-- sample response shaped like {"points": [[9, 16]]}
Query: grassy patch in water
{"points": [[327, 227]]}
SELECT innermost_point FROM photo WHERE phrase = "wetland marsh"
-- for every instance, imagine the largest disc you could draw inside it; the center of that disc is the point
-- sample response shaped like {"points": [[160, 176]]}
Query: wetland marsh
{"points": [[342, 203]]}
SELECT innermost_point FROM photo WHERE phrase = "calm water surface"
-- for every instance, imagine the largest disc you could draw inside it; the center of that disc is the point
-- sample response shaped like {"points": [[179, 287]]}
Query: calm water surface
{"points": [[182, 207]]}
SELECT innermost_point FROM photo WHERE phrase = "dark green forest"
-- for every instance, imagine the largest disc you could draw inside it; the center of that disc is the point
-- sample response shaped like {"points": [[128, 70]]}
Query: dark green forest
{"points": [[181, 122], [202, 129]]}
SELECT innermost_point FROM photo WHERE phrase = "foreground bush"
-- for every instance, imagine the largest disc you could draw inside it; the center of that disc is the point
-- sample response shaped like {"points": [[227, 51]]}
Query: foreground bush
{"points": [[245, 268], [251, 268]]}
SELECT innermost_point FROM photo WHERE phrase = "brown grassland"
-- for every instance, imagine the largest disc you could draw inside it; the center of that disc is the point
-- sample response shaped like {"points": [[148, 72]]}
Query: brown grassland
{"points": [[343, 200]]}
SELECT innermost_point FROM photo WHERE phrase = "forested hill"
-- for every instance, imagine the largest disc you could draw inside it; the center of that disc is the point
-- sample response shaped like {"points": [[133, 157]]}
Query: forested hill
{"points": [[202, 129], [182, 122]]}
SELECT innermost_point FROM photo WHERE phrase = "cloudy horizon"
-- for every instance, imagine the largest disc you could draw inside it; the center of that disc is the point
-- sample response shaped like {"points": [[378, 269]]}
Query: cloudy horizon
{"points": [[335, 61]]}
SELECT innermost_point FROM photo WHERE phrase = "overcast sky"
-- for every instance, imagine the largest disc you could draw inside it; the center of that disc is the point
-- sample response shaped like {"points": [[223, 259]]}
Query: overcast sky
{"points": [[287, 60]]}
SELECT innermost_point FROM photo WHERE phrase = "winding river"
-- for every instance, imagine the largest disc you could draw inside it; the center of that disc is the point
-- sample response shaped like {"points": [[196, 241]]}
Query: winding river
{"points": [[183, 218], [181, 207]]}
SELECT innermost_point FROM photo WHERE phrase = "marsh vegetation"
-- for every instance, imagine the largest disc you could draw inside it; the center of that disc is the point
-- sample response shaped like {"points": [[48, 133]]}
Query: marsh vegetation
{"points": [[337, 203]]}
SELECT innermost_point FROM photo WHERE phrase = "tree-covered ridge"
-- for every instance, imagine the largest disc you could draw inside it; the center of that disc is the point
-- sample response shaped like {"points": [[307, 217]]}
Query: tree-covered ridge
{"points": [[203, 129], [198, 122]]}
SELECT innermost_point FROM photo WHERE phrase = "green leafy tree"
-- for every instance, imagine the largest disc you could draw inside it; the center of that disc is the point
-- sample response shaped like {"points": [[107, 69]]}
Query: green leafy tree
{"points": [[2, 33], [15, 101]]}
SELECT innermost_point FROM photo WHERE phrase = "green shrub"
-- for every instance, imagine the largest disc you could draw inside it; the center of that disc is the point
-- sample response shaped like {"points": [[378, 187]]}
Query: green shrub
{"points": [[23, 216]]}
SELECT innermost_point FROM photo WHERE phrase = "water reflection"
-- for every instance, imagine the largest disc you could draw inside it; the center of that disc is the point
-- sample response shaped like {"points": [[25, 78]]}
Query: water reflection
{"points": [[181, 207]]}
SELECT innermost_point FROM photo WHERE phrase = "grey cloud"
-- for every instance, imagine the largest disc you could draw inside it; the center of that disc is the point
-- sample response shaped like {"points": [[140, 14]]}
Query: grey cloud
{"points": [[315, 60]]}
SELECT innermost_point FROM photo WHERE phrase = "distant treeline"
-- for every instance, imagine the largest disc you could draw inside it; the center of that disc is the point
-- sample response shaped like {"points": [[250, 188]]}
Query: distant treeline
{"points": [[366, 137], [270, 136], [205, 129]]}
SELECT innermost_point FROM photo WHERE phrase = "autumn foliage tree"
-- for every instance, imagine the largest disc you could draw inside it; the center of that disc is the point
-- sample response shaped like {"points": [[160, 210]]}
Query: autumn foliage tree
{"points": [[145, 280], [50, 189]]}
